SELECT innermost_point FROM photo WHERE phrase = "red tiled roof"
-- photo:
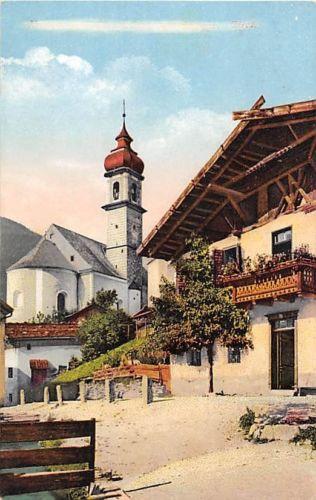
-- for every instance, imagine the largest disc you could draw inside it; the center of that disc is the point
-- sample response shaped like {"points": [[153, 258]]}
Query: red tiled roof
{"points": [[39, 364], [41, 330]]}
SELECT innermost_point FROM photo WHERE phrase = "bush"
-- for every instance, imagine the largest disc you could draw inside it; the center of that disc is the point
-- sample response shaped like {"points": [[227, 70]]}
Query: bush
{"points": [[308, 434], [102, 332], [246, 420]]}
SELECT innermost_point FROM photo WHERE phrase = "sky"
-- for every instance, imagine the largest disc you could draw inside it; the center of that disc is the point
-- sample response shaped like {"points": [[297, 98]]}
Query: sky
{"points": [[182, 68]]}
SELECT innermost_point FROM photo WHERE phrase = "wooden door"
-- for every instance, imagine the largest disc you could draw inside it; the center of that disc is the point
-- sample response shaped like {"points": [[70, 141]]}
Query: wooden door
{"points": [[282, 359]]}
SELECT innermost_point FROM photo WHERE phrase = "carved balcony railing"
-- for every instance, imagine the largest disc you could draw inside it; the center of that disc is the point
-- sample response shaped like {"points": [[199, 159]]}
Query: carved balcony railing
{"points": [[294, 277]]}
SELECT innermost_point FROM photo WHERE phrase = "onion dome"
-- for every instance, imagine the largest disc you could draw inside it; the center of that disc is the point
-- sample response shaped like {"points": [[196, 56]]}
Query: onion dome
{"points": [[123, 155]]}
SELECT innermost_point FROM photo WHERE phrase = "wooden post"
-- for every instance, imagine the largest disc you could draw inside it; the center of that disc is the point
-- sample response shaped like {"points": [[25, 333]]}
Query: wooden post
{"points": [[109, 390], [22, 397], [46, 395], [147, 390], [82, 391], [59, 393]]}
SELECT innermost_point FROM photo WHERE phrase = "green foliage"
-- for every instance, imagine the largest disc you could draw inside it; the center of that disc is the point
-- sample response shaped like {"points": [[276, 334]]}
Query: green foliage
{"points": [[246, 420], [308, 434], [102, 332], [201, 313], [105, 299], [55, 317], [111, 358], [74, 362], [106, 330]]}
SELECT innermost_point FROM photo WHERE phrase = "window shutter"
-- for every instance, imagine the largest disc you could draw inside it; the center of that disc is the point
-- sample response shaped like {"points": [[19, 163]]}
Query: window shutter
{"points": [[218, 256]]}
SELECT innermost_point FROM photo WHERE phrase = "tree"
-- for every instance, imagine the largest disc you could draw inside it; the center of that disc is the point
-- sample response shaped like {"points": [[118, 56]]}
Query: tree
{"points": [[105, 299], [201, 313], [106, 330], [54, 317]]}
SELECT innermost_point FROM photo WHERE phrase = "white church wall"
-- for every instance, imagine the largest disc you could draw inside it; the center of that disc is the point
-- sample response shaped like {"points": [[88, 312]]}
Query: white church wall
{"points": [[21, 293], [134, 301], [19, 359], [35, 290], [111, 283], [55, 281], [85, 289]]}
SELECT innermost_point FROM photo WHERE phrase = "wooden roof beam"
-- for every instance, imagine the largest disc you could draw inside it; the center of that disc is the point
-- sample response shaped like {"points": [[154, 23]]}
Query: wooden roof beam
{"points": [[226, 191], [285, 109], [264, 145], [243, 214]]}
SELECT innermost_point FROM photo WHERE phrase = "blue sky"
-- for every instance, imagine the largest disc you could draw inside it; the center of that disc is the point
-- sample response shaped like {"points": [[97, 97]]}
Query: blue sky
{"points": [[183, 67]]}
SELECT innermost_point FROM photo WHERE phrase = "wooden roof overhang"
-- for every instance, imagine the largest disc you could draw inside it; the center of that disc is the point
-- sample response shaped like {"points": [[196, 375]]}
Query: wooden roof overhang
{"points": [[266, 161]]}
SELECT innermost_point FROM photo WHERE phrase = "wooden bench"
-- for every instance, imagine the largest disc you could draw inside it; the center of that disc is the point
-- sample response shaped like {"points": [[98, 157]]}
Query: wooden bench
{"points": [[13, 483]]}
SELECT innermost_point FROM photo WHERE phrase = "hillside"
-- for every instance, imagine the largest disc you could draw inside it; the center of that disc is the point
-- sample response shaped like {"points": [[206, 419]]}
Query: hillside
{"points": [[15, 241]]}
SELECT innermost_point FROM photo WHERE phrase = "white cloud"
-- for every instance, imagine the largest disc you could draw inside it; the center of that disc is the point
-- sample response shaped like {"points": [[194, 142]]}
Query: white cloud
{"points": [[179, 82], [40, 57], [155, 27], [29, 88], [71, 75], [75, 63]]}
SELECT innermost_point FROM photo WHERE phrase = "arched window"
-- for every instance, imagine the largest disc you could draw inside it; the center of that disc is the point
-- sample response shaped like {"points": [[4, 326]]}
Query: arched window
{"points": [[61, 302], [134, 192], [17, 299], [116, 190]]}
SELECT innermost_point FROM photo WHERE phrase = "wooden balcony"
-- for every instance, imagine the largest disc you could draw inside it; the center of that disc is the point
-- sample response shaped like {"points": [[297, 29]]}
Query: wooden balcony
{"points": [[288, 279]]}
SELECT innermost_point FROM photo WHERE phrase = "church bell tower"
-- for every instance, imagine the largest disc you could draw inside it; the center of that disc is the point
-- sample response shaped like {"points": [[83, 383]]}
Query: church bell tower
{"points": [[124, 229]]}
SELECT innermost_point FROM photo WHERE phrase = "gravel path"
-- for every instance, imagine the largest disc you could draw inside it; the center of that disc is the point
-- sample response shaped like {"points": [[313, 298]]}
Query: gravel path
{"points": [[194, 443]]}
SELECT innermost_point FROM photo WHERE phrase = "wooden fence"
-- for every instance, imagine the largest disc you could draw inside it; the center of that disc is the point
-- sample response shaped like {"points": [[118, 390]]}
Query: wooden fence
{"points": [[159, 373], [18, 432]]}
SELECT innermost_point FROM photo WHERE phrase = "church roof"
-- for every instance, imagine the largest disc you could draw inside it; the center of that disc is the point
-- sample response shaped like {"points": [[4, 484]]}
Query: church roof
{"points": [[44, 255], [92, 251]]}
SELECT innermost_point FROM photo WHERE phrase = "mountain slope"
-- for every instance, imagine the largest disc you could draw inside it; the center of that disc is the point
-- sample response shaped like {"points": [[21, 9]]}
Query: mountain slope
{"points": [[15, 241]]}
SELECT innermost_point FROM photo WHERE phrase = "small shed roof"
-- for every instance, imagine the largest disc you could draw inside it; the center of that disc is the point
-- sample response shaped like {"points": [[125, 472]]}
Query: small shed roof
{"points": [[38, 364]]}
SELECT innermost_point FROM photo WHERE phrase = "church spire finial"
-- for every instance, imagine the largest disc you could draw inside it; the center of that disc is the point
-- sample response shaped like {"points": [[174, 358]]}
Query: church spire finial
{"points": [[124, 111]]}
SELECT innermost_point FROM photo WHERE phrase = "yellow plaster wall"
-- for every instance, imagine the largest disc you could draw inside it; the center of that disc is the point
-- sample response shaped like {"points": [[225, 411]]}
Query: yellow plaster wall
{"points": [[259, 240], [252, 374], [2, 369], [156, 269]]}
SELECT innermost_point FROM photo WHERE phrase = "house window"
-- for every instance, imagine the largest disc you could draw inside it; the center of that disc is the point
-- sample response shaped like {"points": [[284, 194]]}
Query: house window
{"points": [[10, 398], [28, 347], [194, 357], [116, 190], [282, 241], [61, 302], [134, 192], [233, 354], [230, 254], [10, 372], [72, 258]]}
